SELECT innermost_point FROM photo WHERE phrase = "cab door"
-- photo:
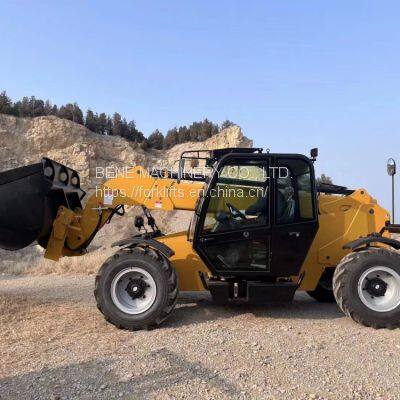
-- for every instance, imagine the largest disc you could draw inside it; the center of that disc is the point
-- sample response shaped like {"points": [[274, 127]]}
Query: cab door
{"points": [[295, 214], [233, 230]]}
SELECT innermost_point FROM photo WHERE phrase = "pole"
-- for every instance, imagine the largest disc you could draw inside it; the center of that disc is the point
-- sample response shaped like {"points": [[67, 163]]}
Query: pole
{"points": [[392, 199], [391, 170]]}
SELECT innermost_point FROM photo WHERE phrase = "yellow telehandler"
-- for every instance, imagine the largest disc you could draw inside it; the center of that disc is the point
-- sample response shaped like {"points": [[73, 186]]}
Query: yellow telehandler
{"points": [[261, 229]]}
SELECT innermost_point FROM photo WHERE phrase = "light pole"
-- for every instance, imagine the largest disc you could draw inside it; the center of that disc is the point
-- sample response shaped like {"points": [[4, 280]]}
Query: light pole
{"points": [[391, 170]]}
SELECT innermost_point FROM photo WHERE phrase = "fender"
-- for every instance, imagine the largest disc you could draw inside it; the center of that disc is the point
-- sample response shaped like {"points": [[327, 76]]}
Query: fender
{"points": [[137, 241], [373, 238]]}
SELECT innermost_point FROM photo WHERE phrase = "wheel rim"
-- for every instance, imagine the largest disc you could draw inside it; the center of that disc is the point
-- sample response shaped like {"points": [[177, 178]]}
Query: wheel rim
{"points": [[133, 290], [379, 289]]}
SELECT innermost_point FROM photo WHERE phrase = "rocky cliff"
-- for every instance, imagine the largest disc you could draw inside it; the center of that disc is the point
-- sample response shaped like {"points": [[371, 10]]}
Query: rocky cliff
{"points": [[25, 140]]}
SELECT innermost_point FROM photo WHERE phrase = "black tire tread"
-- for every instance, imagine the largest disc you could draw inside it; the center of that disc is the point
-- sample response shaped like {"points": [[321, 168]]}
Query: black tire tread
{"points": [[164, 264], [340, 279]]}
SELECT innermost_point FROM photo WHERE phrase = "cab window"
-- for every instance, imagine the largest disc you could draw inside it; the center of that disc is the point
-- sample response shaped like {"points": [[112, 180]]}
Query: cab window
{"points": [[294, 193], [239, 199]]}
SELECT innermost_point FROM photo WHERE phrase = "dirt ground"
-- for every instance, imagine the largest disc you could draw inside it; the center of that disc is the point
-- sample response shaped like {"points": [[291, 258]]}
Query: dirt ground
{"points": [[54, 344]]}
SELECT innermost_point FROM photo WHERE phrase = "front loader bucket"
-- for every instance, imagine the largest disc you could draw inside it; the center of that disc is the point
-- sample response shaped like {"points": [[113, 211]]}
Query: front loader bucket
{"points": [[29, 199]]}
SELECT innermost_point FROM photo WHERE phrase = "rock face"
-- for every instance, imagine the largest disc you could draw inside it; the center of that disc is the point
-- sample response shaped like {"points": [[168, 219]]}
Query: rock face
{"points": [[26, 140]]}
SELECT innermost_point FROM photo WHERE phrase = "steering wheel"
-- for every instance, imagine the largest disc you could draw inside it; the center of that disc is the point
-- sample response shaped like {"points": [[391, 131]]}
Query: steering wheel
{"points": [[235, 212]]}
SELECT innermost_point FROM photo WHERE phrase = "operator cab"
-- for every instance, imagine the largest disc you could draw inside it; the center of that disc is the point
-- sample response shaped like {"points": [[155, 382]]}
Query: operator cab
{"points": [[257, 218]]}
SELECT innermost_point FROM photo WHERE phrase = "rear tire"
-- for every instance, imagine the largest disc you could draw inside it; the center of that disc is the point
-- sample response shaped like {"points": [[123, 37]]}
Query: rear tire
{"points": [[136, 289], [366, 285], [324, 291]]}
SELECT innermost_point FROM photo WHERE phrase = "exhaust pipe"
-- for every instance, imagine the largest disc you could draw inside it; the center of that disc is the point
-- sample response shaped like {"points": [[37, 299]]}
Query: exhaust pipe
{"points": [[29, 199]]}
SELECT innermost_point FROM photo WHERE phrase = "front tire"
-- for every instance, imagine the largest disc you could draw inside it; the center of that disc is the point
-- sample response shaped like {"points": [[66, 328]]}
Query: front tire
{"points": [[366, 285], [136, 289]]}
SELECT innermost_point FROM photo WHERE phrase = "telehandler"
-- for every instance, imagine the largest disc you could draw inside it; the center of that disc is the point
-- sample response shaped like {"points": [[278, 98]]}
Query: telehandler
{"points": [[262, 228]]}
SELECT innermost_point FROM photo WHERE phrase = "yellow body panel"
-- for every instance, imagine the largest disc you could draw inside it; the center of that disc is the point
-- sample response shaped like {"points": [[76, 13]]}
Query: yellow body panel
{"points": [[341, 220], [186, 261]]}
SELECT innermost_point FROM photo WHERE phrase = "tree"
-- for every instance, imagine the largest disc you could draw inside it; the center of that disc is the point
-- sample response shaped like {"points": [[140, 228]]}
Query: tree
{"points": [[77, 114], [203, 130], [6, 105], [125, 132], [22, 107], [227, 124], [71, 112], [194, 131], [139, 136], [156, 140], [134, 134], [117, 124], [109, 130], [48, 108], [171, 138], [184, 134], [207, 129], [102, 124], [324, 179], [91, 121], [54, 110], [144, 145], [36, 107], [106, 125], [64, 113]]}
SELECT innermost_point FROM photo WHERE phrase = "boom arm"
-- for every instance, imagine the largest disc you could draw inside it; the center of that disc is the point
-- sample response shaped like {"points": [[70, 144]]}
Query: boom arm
{"points": [[73, 230]]}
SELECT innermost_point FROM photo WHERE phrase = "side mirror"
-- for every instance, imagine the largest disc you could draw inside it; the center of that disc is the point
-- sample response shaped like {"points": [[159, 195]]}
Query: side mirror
{"points": [[391, 167], [314, 153]]}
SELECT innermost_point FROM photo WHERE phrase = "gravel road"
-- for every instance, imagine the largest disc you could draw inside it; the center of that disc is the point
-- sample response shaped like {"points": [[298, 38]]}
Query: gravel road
{"points": [[54, 344]]}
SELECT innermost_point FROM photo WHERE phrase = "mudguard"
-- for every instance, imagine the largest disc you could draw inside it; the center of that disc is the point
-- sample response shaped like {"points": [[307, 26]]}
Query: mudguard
{"points": [[140, 241], [373, 238]]}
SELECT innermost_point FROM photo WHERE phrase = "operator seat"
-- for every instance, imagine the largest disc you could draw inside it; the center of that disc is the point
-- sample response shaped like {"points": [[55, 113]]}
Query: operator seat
{"points": [[285, 208], [260, 207]]}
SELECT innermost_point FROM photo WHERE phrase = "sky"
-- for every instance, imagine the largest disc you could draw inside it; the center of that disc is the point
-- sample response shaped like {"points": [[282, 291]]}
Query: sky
{"points": [[293, 74]]}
